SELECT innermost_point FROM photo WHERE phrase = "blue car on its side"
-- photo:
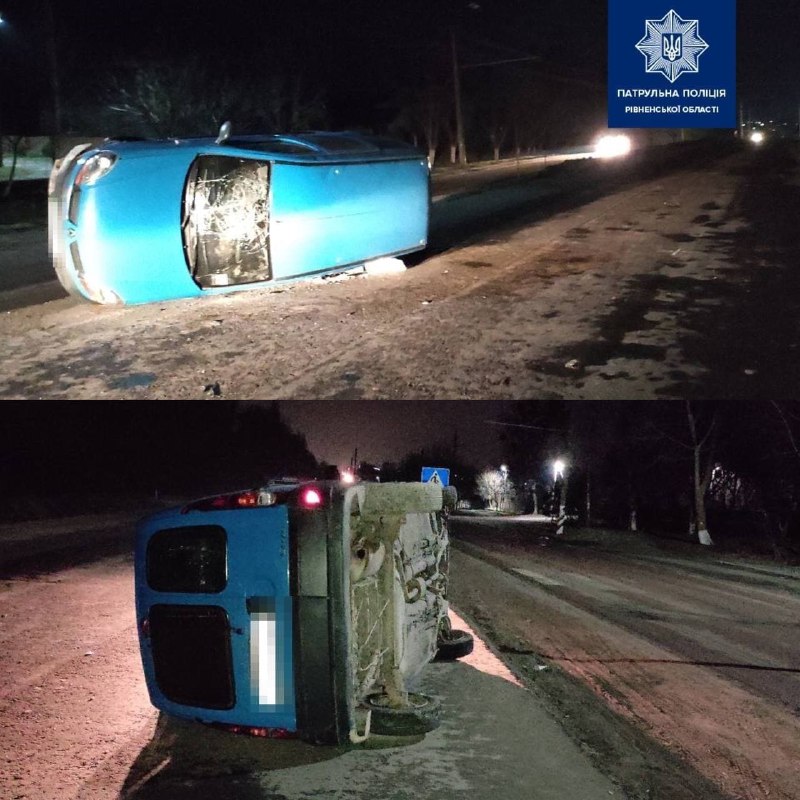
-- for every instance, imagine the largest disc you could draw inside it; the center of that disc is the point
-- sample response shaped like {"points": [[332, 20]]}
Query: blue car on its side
{"points": [[144, 221]]}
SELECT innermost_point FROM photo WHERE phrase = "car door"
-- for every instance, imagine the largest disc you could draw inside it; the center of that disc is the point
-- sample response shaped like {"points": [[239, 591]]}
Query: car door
{"points": [[215, 614]]}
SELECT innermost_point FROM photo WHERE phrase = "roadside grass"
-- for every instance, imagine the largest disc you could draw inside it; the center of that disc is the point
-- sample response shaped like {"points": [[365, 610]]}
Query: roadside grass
{"points": [[55, 506], [27, 168], [642, 543], [645, 543], [26, 205]]}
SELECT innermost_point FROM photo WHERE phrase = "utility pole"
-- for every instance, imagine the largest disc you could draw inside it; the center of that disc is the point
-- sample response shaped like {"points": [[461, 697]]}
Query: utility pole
{"points": [[2, 22], [588, 498], [52, 60], [462, 148], [354, 461]]}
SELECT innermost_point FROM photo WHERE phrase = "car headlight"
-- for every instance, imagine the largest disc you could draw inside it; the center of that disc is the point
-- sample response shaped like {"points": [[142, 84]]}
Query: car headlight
{"points": [[611, 146], [95, 167]]}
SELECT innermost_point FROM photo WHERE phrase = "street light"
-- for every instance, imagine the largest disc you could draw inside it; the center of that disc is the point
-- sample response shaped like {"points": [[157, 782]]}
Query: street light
{"points": [[558, 469]]}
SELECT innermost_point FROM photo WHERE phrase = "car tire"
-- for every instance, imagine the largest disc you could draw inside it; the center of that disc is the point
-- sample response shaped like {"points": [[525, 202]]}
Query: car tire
{"points": [[421, 715], [455, 644]]}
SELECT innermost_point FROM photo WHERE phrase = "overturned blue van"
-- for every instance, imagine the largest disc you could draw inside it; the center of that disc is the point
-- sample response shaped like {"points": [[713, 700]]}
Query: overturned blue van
{"points": [[153, 220], [303, 609]]}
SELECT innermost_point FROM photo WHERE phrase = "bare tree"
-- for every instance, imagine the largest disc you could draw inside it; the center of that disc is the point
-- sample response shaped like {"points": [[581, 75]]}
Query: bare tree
{"points": [[702, 447], [495, 487], [423, 113], [177, 99], [15, 143]]}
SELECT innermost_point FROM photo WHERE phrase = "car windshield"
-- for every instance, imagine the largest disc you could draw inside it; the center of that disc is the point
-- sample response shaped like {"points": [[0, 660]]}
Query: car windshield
{"points": [[226, 221]]}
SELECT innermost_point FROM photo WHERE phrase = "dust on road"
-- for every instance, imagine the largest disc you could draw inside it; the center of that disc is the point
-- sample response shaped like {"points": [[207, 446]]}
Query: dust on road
{"points": [[621, 627], [607, 289], [77, 722]]}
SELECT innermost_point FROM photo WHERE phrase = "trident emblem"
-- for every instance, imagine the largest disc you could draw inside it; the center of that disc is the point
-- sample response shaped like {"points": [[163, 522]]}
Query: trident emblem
{"points": [[672, 46]]}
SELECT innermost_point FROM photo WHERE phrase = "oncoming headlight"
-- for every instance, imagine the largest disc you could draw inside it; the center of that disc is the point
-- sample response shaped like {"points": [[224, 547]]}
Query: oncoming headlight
{"points": [[95, 167], [611, 146]]}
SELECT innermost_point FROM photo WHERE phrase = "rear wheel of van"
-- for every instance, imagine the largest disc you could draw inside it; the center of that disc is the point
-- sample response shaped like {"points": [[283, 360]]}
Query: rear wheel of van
{"points": [[419, 716]]}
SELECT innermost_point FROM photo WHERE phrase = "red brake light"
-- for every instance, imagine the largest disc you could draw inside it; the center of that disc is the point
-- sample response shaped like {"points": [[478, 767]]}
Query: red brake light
{"points": [[311, 498]]}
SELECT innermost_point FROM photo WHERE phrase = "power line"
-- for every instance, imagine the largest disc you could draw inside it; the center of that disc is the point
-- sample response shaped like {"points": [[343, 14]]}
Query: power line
{"points": [[523, 425]]}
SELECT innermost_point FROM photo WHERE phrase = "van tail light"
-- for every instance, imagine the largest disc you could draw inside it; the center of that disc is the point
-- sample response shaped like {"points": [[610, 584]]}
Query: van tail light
{"points": [[252, 498], [311, 497]]}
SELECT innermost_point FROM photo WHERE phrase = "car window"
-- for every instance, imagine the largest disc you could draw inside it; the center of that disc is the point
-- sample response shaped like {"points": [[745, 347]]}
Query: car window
{"points": [[271, 146], [339, 144], [191, 559]]}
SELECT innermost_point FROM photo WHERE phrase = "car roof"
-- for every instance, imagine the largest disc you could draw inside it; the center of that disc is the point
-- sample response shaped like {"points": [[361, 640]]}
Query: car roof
{"points": [[307, 146]]}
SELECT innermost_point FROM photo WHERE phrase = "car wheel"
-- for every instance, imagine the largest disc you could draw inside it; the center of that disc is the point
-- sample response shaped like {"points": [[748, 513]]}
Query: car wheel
{"points": [[452, 645], [419, 716]]}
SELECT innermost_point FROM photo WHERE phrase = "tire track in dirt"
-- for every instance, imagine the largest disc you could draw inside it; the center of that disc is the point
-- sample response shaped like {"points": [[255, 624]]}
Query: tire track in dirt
{"points": [[746, 745]]}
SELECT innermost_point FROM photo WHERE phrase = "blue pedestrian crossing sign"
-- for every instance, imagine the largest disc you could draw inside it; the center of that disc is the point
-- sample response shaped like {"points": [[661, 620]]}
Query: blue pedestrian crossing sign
{"points": [[438, 475]]}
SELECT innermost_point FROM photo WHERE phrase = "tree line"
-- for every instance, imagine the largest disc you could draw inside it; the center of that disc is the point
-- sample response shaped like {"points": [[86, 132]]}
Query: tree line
{"points": [[719, 473]]}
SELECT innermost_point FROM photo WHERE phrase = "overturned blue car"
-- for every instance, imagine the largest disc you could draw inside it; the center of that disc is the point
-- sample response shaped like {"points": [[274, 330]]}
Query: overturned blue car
{"points": [[299, 608], [151, 220]]}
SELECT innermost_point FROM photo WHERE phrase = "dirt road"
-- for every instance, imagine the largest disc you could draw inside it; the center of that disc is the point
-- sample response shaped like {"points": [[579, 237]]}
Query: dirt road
{"points": [[76, 722], [586, 283], [702, 655]]}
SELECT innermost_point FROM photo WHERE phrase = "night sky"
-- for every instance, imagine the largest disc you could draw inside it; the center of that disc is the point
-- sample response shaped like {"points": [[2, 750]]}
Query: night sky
{"points": [[360, 52], [387, 431]]}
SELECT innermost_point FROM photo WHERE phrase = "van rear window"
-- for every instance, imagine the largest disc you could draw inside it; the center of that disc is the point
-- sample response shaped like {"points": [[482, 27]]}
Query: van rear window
{"points": [[192, 559]]}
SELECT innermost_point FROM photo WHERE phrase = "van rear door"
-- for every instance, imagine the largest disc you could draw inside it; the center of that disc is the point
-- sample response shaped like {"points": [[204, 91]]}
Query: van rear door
{"points": [[215, 615]]}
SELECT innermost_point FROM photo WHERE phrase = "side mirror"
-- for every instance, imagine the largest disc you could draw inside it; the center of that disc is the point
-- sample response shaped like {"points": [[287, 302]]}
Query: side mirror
{"points": [[224, 132]]}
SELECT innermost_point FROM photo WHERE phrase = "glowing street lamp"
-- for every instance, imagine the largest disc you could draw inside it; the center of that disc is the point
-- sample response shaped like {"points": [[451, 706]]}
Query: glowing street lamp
{"points": [[346, 476], [558, 469]]}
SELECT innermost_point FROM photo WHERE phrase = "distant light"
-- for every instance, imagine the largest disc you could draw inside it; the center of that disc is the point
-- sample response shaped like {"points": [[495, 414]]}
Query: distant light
{"points": [[756, 137], [345, 476], [558, 469], [612, 146], [504, 469]]}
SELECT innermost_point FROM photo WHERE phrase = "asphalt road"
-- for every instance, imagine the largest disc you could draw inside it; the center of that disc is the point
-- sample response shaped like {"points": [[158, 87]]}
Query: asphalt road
{"points": [[701, 650]]}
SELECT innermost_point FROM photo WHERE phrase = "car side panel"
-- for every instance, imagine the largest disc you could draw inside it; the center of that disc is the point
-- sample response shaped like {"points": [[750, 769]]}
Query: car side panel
{"points": [[331, 215]]}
